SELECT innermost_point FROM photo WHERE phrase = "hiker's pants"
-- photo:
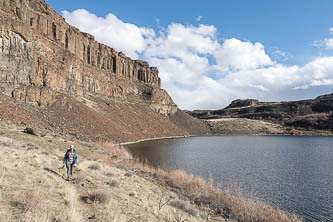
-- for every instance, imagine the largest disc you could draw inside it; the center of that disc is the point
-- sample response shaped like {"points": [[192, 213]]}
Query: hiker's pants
{"points": [[69, 169]]}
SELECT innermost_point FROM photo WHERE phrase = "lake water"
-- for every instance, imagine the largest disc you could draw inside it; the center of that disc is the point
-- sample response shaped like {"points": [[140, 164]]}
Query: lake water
{"points": [[291, 172]]}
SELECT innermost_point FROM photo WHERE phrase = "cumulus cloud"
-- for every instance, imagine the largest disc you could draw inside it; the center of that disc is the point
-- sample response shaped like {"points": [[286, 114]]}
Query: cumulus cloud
{"points": [[329, 43], [326, 43], [238, 55], [201, 71], [180, 41], [112, 31]]}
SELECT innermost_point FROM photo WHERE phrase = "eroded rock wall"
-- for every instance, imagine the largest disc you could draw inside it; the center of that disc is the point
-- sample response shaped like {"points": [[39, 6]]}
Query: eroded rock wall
{"points": [[306, 114], [41, 55]]}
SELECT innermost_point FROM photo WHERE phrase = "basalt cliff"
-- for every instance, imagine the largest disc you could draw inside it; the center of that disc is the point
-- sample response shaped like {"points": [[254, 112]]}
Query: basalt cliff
{"points": [[53, 76], [312, 116]]}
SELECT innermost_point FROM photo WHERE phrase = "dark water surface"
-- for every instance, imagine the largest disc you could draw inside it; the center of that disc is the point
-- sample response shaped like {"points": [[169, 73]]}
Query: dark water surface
{"points": [[293, 173]]}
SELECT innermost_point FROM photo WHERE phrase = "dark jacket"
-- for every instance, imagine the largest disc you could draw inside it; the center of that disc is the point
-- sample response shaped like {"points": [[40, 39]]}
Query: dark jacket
{"points": [[75, 157]]}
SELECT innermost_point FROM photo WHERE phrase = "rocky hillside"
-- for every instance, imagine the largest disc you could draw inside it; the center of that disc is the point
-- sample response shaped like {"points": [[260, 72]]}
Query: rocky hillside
{"points": [[312, 114], [53, 76]]}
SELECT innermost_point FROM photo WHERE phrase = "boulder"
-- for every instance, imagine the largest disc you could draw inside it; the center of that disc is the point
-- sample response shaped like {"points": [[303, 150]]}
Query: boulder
{"points": [[34, 132]]}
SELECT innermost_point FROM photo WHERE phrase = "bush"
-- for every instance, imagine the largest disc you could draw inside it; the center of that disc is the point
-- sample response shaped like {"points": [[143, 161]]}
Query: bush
{"points": [[178, 176], [184, 206], [109, 174], [95, 166], [100, 197], [79, 179], [117, 152], [128, 174], [113, 183], [32, 201], [198, 182]]}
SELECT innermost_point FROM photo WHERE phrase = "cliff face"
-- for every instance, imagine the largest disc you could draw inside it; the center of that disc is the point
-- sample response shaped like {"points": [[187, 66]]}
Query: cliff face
{"points": [[41, 55], [55, 78], [307, 114]]}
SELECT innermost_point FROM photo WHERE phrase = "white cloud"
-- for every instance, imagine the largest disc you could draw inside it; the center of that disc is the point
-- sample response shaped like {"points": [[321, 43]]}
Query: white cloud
{"points": [[301, 87], [179, 41], [199, 18], [199, 70], [329, 43], [279, 54], [326, 43], [322, 82], [112, 31], [331, 31], [237, 55]]}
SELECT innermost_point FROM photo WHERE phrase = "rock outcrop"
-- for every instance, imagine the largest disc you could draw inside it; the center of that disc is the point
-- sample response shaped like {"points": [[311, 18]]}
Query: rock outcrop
{"points": [[41, 55], [55, 78], [312, 114]]}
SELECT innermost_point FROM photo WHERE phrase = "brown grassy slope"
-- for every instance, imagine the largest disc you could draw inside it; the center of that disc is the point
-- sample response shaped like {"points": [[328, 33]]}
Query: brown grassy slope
{"points": [[100, 119], [32, 185], [108, 186], [190, 124]]}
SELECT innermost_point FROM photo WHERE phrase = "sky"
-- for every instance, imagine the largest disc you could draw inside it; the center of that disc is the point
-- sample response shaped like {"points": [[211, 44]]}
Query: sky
{"points": [[212, 52]]}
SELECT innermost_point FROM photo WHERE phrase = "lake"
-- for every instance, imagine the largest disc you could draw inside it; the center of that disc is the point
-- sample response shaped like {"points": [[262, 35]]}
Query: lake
{"points": [[294, 173]]}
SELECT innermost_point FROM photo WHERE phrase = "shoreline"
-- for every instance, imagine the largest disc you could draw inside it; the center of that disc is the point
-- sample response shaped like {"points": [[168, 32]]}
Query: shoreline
{"points": [[149, 139], [212, 135], [182, 183]]}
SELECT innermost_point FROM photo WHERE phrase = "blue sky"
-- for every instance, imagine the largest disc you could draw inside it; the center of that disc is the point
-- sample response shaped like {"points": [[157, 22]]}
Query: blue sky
{"points": [[233, 49]]}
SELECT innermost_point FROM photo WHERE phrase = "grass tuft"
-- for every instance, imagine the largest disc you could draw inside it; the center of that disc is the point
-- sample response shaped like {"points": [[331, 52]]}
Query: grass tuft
{"points": [[184, 206], [32, 201], [113, 183], [100, 197], [95, 166]]}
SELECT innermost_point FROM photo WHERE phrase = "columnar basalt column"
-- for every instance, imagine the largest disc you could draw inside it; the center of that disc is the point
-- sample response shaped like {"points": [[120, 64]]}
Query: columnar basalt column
{"points": [[52, 55]]}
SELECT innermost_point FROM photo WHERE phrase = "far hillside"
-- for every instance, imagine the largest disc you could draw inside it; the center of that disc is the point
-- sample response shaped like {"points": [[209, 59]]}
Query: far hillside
{"points": [[311, 116]]}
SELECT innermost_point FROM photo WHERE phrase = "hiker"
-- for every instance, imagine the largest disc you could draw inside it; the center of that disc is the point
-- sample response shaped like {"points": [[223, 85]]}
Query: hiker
{"points": [[70, 160]]}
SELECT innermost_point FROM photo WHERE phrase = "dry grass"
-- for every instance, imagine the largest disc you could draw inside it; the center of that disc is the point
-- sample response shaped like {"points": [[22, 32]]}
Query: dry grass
{"points": [[5, 215], [109, 200], [32, 201], [95, 166], [113, 183], [74, 209], [179, 176], [116, 152], [79, 179], [100, 197], [178, 216], [232, 204], [184, 206]]}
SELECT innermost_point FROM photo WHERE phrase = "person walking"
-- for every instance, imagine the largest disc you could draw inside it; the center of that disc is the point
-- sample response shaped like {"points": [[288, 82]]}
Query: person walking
{"points": [[70, 160]]}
